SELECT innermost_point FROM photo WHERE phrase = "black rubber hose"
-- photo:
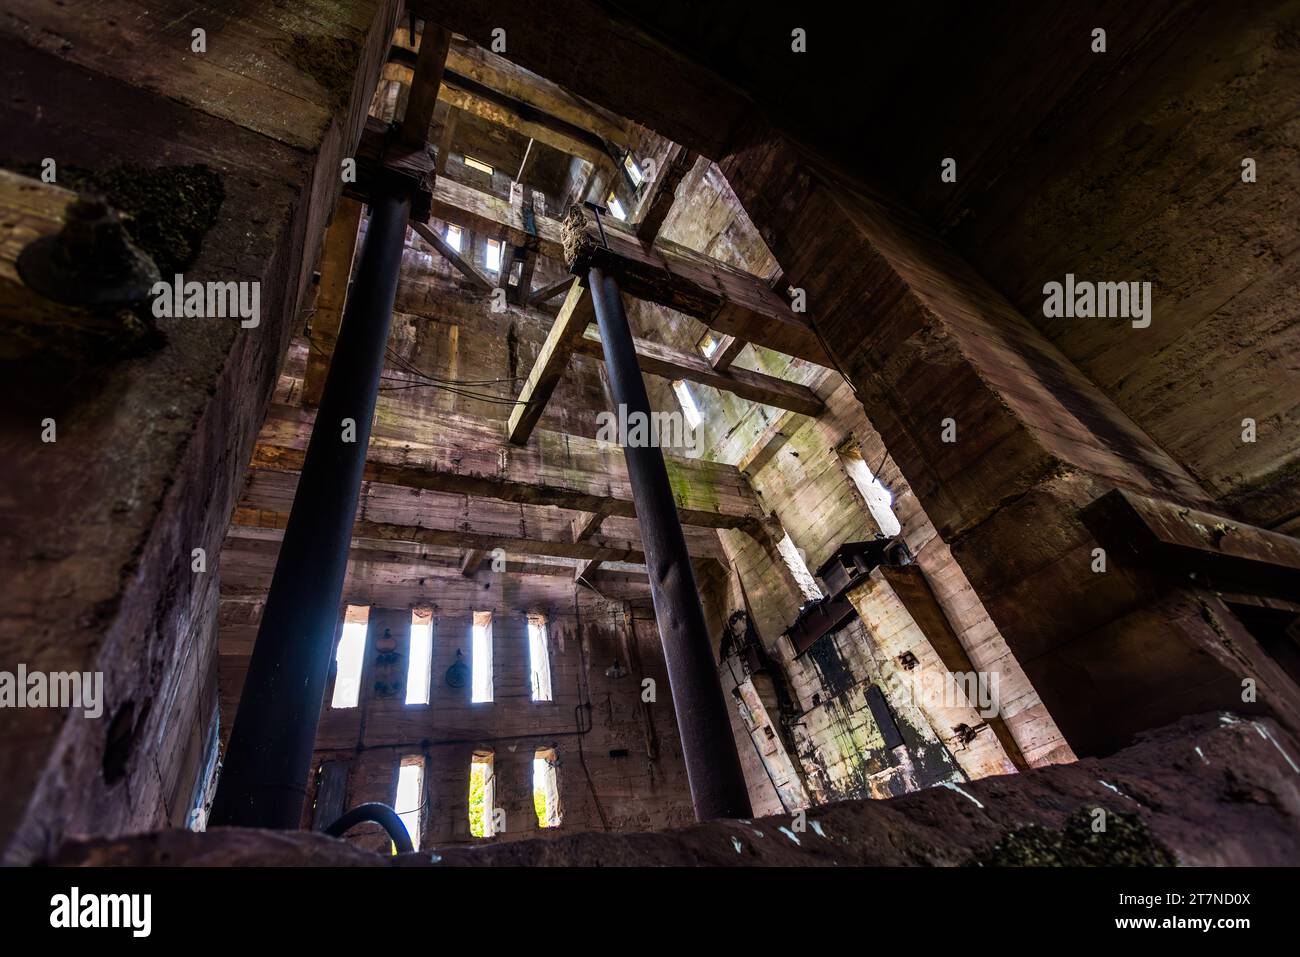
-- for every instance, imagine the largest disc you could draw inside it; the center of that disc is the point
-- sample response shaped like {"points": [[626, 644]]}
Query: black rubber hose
{"points": [[380, 814]]}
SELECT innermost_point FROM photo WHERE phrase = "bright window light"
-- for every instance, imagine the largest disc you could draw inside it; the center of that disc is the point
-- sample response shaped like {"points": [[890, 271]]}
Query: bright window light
{"points": [[350, 657], [878, 498], [539, 658], [419, 659], [481, 658], [410, 796], [633, 170], [616, 207], [493, 257], [708, 345], [798, 568], [482, 795], [689, 408], [453, 237], [479, 165], [546, 788]]}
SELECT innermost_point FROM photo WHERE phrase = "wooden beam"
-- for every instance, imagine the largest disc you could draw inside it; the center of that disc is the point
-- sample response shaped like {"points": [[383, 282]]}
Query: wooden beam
{"points": [[724, 298], [513, 113], [478, 99], [338, 248], [472, 560], [519, 292], [471, 62], [768, 443], [430, 236], [526, 253], [546, 293], [494, 217], [469, 456], [578, 45], [678, 164], [551, 362], [728, 348], [586, 569], [271, 492], [477, 545], [656, 359], [1216, 551], [587, 524], [445, 139], [426, 87]]}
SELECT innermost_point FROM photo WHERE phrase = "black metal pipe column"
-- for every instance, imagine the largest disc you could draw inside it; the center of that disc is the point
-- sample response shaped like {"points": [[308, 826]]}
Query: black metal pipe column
{"points": [[712, 765], [268, 761]]}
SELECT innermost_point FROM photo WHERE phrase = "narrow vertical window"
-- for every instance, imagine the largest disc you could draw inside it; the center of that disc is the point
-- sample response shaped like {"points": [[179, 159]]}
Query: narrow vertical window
{"points": [[687, 402], [409, 800], [350, 657], [878, 498], [419, 657], [493, 256], [482, 795], [453, 237], [546, 788], [539, 658], [481, 658]]}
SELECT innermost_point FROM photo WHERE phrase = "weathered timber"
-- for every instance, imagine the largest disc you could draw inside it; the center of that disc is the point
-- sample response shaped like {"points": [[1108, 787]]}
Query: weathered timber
{"points": [[426, 86], [516, 113], [467, 268], [337, 252], [656, 359], [729, 348], [547, 293], [470, 456], [385, 161], [1178, 540], [633, 75], [494, 217], [445, 139], [472, 560], [587, 524], [678, 164], [551, 362], [725, 299], [422, 517]]}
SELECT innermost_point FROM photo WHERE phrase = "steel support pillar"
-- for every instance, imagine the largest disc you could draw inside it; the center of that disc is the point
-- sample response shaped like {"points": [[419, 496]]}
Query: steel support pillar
{"points": [[712, 766], [268, 761]]}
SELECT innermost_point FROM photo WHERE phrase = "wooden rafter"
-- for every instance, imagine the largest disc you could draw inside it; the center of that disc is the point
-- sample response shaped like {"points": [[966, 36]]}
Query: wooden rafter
{"points": [[659, 360], [426, 87], [467, 268], [551, 362], [728, 348], [724, 298], [270, 493], [467, 456], [547, 293], [664, 194]]}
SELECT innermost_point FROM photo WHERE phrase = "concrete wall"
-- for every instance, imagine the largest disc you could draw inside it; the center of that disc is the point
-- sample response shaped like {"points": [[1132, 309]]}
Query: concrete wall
{"points": [[100, 526]]}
